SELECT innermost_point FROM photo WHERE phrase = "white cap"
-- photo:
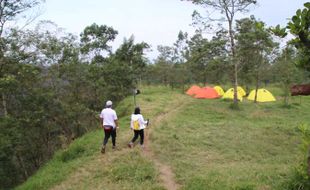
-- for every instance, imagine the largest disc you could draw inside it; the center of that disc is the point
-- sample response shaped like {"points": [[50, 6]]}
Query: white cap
{"points": [[109, 103]]}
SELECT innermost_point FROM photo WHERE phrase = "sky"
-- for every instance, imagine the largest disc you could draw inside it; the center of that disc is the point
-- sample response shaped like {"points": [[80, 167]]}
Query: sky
{"points": [[156, 22]]}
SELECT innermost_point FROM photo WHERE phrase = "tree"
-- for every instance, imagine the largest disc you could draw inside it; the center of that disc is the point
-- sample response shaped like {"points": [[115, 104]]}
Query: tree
{"points": [[286, 72], [164, 64], [207, 59], [95, 39], [198, 48], [9, 11], [50, 95], [299, 26], [133, 55], [254, 48], [180, 47], [228, 8]]}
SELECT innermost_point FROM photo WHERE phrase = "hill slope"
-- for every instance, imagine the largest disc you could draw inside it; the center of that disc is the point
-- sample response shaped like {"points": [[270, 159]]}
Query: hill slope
{"points": [[191, 144]]}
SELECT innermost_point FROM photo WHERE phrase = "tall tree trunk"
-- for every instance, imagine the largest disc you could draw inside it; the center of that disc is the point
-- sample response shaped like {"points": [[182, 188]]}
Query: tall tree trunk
{"points": [[257, 83], [256, 88], [235, 84], [4, 105], [232, 43], [23, 168]]}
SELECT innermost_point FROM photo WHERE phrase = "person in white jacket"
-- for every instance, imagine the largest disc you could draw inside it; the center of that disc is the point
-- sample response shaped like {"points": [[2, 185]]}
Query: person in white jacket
{"points": [[137, 124]]}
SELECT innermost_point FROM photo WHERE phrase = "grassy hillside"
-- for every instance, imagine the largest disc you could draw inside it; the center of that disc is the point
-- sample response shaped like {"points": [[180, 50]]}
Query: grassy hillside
{"points": [[206, 145]]}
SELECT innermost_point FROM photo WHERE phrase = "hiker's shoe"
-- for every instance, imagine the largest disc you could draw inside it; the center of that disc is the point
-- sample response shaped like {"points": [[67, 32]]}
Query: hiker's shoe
{"points": [[142, 146], [130, 145], [114, 147], [103, 149]]}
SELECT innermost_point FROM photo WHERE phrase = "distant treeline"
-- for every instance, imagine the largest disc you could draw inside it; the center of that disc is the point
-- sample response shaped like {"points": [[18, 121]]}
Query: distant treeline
{"points": [[197, 59]]}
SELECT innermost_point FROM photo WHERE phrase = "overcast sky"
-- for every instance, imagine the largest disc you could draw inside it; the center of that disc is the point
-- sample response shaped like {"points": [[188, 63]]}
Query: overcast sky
{"points": [[156, 22]]}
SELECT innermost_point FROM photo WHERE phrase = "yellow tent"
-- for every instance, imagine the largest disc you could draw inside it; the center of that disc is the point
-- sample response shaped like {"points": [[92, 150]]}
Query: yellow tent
{"points": [[263, 95], [219, 90], [241, 91], [229, 94]]}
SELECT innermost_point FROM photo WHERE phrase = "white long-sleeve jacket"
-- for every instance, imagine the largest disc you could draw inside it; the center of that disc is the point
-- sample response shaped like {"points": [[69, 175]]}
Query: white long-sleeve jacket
{"points": [[139, 117]]}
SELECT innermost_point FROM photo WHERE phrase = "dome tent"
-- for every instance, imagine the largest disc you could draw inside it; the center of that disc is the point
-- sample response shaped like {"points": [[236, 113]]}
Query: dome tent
{"points": [[219, 90], [207, 93], [192, 90], [263, 95], [229, 94], [241, 91]]}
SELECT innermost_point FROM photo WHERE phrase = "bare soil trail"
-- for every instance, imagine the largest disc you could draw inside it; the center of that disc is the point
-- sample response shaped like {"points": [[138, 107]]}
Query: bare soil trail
{"points": [[166, 174]]}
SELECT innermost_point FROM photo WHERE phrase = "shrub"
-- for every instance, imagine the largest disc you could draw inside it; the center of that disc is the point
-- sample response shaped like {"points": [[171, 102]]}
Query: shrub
{"points": [[301, 179]]}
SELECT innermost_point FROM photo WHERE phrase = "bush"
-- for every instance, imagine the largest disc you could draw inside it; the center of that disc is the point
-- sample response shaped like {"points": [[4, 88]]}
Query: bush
{"points": [[301, 179]]}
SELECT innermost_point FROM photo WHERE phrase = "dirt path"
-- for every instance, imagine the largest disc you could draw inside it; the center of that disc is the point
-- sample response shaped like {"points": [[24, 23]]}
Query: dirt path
{"points": [[166, 174]]}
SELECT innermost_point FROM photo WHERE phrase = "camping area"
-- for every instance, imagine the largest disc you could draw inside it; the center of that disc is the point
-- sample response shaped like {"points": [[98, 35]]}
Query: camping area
{"points": [[202, 142], [223, 87]]}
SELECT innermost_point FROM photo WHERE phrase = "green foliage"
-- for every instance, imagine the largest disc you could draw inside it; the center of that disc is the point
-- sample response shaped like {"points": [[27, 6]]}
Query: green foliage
{"points": [[254, 48], [168, 68], [286, 73], [53, 95], [278, 31], [227, 11], [95, 39], [53, 84], [305, 131], [8, 140], [87, 168], [299, 27], [208, 59], [10, 10], [72, 153], [207, 146], [125, 108], [300, 180], [300, 23], [131, 55]]}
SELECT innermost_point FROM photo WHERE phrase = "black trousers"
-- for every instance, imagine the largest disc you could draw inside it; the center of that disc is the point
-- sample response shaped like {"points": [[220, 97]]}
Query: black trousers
{"points": [[107, 133], [136, 135]]}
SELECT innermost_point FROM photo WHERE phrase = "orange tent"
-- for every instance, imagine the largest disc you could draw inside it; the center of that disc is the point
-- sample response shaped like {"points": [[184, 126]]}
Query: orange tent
{"points": [[193, 90], [207, 92]]}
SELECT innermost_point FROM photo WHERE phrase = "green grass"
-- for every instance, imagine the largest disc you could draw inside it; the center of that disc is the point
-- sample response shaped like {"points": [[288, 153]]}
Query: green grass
{"points": [[207, 145], [212, 146], [81, 165]]}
